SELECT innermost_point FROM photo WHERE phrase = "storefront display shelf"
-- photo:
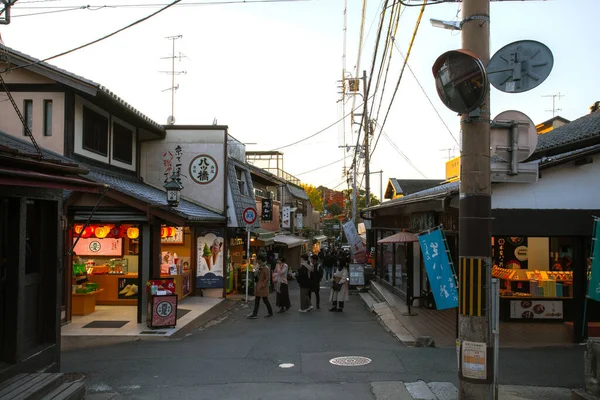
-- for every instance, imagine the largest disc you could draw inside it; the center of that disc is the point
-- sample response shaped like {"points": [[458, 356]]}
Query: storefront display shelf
{"points": [[85, 303], [113, 285]]}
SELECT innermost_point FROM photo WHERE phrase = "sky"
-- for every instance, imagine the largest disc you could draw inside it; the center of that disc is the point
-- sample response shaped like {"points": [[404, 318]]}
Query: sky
{"points": [[271, 71]]}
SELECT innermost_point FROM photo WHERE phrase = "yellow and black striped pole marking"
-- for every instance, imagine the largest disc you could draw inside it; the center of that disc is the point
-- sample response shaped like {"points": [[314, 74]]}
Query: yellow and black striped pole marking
{"points": [[472, 280]]}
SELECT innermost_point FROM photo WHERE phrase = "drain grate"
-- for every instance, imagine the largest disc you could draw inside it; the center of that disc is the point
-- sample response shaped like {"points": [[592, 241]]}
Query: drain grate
{"points": [[350, 361]]}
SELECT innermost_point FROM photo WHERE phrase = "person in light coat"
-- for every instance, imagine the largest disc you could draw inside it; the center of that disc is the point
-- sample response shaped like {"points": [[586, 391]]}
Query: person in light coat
{"points": [[338, 297]]}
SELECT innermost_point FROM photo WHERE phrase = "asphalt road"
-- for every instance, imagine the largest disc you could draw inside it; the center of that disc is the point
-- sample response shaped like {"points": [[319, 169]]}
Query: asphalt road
{"points": [[237, 358]]}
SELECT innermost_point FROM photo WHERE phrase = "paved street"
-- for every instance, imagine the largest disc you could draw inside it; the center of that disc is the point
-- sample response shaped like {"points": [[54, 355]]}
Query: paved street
{"points": [[237, 358]]}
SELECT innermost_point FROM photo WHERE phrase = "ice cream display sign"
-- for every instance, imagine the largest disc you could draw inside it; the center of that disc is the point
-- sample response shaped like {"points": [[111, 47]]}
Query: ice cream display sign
{"points": [[210, 249]]}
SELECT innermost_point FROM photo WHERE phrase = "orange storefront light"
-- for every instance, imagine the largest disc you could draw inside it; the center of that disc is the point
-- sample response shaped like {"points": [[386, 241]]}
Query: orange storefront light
{"points": [[133, 233]]}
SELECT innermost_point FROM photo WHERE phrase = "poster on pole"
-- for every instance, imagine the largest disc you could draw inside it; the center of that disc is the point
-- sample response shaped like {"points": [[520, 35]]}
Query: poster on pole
{"points": [[359, 252], [439, 271]]}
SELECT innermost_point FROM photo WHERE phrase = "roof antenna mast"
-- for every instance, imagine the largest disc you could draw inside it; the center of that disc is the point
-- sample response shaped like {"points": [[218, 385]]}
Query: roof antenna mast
{"points": [[172, 72]]}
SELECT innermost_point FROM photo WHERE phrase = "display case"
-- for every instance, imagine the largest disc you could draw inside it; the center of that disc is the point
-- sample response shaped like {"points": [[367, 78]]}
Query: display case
{"points": [[527, 294], [118, 266]]}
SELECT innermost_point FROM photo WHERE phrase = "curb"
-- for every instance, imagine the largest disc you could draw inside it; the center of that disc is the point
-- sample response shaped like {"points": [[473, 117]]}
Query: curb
{"points": [[386, 317], [215, 312]]}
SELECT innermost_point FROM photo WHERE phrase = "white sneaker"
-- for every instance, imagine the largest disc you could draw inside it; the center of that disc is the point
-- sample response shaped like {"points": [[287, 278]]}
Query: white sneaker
{"points": [[310, 308], [301, 310]]}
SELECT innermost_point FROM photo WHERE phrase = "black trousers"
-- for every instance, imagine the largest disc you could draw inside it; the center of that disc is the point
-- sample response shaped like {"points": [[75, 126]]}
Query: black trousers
{"points": [[257, 305], [283, 297], [317, 295]]}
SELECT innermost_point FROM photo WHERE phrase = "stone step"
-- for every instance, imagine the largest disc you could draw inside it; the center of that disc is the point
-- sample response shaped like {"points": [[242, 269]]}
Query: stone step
{"points": [[30, 386], [67, 391]]}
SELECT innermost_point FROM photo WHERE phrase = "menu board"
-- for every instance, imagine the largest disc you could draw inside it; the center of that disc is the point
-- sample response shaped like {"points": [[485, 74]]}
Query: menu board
{"points": [[357, 274], [536, 309]]}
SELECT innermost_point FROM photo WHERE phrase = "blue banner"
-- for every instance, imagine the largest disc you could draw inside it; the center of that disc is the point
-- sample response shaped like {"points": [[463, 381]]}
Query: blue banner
{"points": [[439, 271], [594, 286]]}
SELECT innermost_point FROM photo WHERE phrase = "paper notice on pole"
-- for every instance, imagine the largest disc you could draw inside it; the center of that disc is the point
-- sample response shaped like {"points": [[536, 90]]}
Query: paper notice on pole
{"points": [[474, 362]]}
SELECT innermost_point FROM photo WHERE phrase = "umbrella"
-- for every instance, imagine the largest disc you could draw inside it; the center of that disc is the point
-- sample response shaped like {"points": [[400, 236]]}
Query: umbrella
{"points": [[400, 237]]}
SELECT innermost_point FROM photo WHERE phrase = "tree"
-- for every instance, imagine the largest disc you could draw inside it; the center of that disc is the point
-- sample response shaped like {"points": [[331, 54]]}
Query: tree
{"points": [[314, 196], [360, 200]]}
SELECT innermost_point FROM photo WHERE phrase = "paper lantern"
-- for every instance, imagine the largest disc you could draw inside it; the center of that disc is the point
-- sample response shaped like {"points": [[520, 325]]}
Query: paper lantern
{"points": [[133, 233], [77, 229], [101, 231], [89, 231], [163, 232]]}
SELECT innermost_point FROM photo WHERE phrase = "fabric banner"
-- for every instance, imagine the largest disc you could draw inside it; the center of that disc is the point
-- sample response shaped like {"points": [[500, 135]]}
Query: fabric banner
{"points": [[439, 272], [359, 252], [285, 217], [594, 286]]}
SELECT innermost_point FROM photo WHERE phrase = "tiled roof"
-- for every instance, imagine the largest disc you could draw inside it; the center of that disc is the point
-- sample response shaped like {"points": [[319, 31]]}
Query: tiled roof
{"points": [[25, 147], [297, 191], [241, 201], [578, 133], [151, 195], [409, 186], [431, 193], [31, 60]]}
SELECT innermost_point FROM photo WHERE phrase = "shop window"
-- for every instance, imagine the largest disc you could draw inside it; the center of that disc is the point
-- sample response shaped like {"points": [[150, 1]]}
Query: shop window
{"points": [[28, 115], [122, 145], [47, 117], [95, 132]]}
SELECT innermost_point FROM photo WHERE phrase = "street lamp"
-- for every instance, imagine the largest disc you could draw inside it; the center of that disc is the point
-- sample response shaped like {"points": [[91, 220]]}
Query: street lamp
{"points": [[452, 25], [173, 188]]}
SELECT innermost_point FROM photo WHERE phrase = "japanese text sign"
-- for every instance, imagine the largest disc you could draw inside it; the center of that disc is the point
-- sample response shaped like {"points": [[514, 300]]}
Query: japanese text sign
{"points": [[439, 272], [357, 247], [267, 210]]}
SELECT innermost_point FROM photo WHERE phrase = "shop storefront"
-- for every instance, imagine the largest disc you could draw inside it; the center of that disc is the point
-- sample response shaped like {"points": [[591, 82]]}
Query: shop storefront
{"points": [[291, 247]]}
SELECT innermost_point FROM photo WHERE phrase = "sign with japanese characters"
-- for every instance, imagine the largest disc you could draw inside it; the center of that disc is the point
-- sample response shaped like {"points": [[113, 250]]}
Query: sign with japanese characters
{"points": [[162, 311], [474, 360], [510, 252], [359, 252], [99, 247], [536, 309], [299, 220], [285, 217], [439, 271], [267, 210], [594, 285], [197, 157], [203, 169]]}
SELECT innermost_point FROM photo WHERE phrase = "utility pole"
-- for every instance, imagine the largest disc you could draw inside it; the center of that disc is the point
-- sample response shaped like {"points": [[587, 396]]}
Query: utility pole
{"points": [[172, 72], [354, 168], [380, 184], [475, 210], [554, 96], [366, 145]]}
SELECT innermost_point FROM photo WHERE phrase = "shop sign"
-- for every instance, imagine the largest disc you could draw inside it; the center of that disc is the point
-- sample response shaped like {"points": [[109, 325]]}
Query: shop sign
{"points": [[357, 274], [359, 251], [474, 360], [98, 247], [536, 309], [127, 288], [594, 285], [510, 252], [203, 169], [267, 210], [439, 270], [210, 247], [285, 217], [422, 221], [163, 311], [299, 220]]}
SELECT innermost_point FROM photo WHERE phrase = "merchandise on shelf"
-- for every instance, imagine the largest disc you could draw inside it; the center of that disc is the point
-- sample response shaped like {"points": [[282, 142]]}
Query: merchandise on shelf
{"points": [[527, 283]]}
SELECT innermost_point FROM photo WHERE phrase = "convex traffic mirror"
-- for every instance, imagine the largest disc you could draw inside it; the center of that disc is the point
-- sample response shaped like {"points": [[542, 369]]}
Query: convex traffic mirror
{"points": [[460, 80]]}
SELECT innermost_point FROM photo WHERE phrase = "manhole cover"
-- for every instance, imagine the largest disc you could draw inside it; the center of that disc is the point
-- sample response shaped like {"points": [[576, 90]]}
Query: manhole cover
{"points": [[286, 365], [350, 361]]}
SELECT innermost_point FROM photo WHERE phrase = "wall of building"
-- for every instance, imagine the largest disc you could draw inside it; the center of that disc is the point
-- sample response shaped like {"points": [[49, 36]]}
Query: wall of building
{"points": [[562, 187]]}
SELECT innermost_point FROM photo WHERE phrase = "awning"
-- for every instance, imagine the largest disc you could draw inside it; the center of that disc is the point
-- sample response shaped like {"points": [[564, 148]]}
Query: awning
{"points": [[22, 177], [263, 237], [290, 241], [400, 237], [320, 238]]}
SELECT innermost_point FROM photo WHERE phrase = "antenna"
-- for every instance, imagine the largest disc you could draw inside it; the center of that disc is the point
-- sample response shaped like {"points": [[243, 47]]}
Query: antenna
{"points": [[172, 72], [554, 96], [450, 151]]}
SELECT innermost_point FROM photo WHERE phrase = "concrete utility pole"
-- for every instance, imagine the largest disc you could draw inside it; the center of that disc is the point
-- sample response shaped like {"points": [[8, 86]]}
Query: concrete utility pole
{"points": [[366, 144], [475, 209]]}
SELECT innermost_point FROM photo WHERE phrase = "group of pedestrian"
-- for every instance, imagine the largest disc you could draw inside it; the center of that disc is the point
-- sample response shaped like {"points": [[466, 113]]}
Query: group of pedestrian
{"points": [[332, 264]]}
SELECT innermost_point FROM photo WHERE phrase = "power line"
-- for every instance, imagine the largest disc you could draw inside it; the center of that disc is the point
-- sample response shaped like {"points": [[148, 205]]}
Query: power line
{"points": [[57, 11], [425, 93], [322, 166], [97, 40], [321, 131], [412, 41], [204, 3]]}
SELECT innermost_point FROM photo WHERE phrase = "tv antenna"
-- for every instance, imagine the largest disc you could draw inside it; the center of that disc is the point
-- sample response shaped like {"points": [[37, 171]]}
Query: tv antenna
{"points": [[172, 72], [450, 151], [554, 96]]}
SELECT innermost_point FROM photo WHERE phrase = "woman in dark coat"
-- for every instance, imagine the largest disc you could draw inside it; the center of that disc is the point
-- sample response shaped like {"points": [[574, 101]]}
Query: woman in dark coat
{"points": [[304, 282], [315, 279]]}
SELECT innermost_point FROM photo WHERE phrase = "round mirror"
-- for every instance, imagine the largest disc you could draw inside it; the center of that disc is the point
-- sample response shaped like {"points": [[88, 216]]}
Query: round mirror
{"points": [[460, 80]]}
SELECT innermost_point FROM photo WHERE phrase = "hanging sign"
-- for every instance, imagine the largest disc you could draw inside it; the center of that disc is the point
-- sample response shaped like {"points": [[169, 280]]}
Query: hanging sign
{"points": [[285, 217], [99, 247], [267, 210], [359, 251], [594, 286], [299, 220], [439, 271]]}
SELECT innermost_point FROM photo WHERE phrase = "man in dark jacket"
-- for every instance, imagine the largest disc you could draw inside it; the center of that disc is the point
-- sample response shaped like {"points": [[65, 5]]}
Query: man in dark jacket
{"points": [[304, 282], [315, 278]]}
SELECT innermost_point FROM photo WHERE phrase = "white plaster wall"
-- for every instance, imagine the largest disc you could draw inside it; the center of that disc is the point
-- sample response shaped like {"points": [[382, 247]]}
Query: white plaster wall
{"points": [[193, 143], [562, 187], [11, 124]]}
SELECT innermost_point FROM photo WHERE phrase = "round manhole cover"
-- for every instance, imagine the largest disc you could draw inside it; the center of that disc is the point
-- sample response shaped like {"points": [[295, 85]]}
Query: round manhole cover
{"points": [[286, 365], [350, 361]]}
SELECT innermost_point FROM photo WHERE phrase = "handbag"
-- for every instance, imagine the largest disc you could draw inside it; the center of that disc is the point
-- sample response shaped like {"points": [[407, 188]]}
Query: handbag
{"points": [[337, 286]]}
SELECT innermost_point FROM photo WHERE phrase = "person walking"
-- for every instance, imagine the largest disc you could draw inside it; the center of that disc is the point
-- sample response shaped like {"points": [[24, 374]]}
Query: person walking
{"points": [[328, 263], [315, 279], [262, 288], [281, 285], [339, 287], [304, 282]]}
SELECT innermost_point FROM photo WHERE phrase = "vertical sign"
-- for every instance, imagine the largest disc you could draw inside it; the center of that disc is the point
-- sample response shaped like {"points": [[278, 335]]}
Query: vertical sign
{"points": [[439, 272], [510, 252], [594, 288], [285, 217], [210, 259], [299, 220], [358, 248], [267, 210]]}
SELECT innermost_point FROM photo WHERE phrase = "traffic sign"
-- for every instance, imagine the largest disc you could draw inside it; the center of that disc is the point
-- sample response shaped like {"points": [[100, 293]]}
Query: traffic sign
{"points": [[249, 215]]}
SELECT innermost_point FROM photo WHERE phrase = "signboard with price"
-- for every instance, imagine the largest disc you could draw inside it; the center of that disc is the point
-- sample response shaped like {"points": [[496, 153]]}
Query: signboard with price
{"points": [[439, 270], [162, 311]]}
